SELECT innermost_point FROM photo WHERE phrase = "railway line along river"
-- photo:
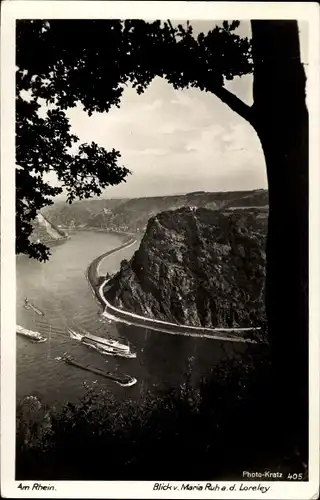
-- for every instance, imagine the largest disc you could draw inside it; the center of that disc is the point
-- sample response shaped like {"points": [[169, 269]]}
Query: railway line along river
{"points": [[61, 290]]}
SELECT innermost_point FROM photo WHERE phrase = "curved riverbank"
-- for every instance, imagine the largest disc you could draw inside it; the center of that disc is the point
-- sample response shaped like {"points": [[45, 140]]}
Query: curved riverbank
{"points": [[92, 271], [94, 229], [59, 288], [111, 312]]}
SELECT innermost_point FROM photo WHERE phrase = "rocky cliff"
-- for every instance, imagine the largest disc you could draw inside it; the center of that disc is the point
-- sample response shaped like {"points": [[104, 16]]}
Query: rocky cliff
{"points": [[198, 267], [45, 232]]}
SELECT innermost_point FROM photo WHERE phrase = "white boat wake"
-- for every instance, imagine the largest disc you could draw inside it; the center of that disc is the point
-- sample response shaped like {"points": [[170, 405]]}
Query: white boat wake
{"points": [[128, 384]]}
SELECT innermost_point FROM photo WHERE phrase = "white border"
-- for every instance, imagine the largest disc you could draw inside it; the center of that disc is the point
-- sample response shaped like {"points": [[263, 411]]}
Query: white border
{"points": [[308, 11]]}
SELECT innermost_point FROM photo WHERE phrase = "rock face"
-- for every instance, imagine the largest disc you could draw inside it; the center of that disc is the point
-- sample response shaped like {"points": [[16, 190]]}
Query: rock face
{"points": [[197, 267], [45, 232]]}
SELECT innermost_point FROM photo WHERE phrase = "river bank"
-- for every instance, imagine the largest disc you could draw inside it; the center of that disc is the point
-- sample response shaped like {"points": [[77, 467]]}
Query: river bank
{"points": [[166, 366], [61, 289], [246, 335], [92, 271], [93, 229]]}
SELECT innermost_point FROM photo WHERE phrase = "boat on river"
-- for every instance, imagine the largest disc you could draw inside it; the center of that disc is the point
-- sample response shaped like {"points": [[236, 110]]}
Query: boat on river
{"points": [[109, 342], [108, 350], [35, 336], [109, 347], [29, 305], [122, 379]]}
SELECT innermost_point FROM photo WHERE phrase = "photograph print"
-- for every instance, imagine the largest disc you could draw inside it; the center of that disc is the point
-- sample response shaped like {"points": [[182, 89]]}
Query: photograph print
{"points": [[161, 236]]}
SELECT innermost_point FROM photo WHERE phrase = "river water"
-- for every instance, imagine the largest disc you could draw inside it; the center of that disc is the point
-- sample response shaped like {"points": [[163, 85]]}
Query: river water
{"points": [[60, 289]]}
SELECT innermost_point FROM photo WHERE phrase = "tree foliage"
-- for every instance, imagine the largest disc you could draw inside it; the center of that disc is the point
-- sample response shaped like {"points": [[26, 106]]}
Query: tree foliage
{"points": [[93, 69], [225, 426], [89, 63]]}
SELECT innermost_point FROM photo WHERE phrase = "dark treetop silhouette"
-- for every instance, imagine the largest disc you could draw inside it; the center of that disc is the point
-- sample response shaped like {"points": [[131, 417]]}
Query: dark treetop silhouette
{"points": [[90, 62]]}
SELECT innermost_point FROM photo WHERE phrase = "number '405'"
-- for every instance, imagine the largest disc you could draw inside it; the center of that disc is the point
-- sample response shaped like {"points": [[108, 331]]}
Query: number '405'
{"points": [[295, 476]]}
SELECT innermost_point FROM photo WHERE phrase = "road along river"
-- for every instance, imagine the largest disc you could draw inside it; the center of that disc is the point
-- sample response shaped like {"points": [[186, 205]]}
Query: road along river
{"points": [[60, 289], [130, 318]]}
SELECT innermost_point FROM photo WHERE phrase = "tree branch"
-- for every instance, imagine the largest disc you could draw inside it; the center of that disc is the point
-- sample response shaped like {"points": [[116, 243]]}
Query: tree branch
{"points": [[234, 103], [225, 95]]}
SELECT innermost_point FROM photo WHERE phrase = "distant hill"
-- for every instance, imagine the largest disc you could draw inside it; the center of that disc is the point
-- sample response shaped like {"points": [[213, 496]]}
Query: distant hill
{"points": [[133, 214], [78, 213], [254, 199]]}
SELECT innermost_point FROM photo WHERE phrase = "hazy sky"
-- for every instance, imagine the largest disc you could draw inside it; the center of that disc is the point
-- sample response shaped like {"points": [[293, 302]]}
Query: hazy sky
{"points": [[179, 141]]}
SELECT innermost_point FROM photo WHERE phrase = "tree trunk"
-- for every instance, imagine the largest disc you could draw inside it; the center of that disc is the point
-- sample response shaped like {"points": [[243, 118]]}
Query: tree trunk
{"points": [[281, 122]]}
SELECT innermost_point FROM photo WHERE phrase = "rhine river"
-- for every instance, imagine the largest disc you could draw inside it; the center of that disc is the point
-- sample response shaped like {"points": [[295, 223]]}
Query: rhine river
{"points": [[60, 289]]}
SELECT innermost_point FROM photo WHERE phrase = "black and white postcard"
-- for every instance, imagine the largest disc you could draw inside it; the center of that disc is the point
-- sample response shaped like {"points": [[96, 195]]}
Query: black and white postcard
{"points": [[160, 250]]}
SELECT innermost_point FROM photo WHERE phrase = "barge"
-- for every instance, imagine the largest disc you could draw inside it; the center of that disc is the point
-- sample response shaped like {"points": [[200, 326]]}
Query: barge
{"points": [[34, 336], [29, 305], [123, 379]]}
